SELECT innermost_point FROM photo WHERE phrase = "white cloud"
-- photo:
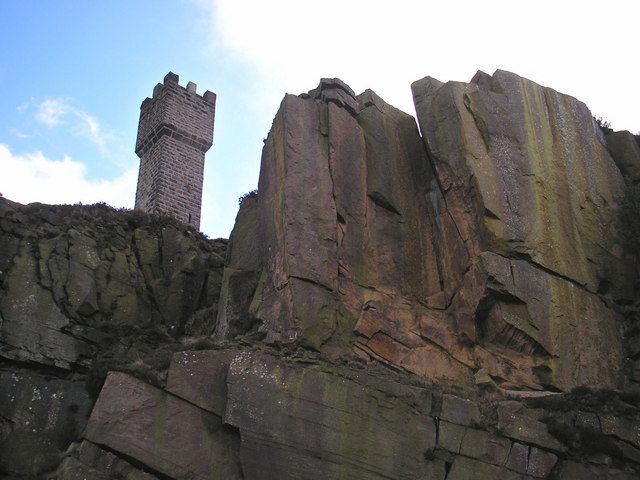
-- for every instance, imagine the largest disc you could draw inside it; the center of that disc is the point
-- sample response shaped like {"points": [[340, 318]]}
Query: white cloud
{"points": [[579, 48], [53, 112], [32, 177]]}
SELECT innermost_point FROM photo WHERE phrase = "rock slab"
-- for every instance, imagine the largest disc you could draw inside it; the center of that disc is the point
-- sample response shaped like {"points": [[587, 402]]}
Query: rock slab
{"points": [[301, 422], [165, 433]]}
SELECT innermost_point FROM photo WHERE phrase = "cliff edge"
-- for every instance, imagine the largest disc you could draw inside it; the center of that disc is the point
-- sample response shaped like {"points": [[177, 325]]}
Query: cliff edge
{"points": [[449, 299]]}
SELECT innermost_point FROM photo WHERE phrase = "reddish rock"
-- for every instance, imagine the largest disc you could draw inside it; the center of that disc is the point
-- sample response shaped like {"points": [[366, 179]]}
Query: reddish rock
{"points": [[434, 254], [161, 431]]}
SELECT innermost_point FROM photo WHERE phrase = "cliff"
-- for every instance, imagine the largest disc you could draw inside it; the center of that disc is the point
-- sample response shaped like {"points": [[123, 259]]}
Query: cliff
{"points": [[452, 299]]}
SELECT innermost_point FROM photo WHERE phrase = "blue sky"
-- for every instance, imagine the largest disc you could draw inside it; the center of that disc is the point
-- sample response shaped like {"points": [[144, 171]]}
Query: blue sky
{"points": [[73, 74]]}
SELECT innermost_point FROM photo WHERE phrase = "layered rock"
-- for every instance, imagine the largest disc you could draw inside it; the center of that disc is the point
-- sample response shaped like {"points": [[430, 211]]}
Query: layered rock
{"points": [[487, 244], [85, 290], [165, 433], [72, 276], [275, 417], [377, 274]]}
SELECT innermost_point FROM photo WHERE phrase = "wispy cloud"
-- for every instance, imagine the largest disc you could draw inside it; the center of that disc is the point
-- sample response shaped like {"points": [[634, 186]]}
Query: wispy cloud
{"points": [[20, 134], [32, 177], [52, 110], [60, 111]]}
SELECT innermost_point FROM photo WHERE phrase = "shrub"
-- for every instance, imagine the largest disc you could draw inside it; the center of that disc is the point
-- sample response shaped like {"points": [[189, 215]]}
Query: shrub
{"points": [[605, 125], [251, 194]]}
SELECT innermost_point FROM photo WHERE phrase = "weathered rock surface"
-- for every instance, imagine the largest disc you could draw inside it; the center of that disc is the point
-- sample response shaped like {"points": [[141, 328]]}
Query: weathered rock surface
{"points": [[201, 378], [625, 151], [306, 423], [163, 432], [39, 417], [300, 417], [355, 189], [84, 290], [88, 461], [487, 244], [526, 178], [393, 303], [71, 275]]}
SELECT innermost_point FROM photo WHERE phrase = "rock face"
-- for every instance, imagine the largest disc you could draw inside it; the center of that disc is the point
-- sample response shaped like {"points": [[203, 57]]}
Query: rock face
{"points": [[71, 276], [39, 417], [306, 423], [487, 243], [459, 300], [84, 290], [625, 150], [275, 417]]}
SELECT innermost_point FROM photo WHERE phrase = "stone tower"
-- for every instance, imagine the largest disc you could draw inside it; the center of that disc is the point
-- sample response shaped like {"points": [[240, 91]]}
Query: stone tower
{"points": [[174, 133]]}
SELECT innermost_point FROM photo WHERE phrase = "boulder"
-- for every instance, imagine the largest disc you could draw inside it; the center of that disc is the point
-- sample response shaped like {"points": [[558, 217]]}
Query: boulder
{"points": [[163, 432]]}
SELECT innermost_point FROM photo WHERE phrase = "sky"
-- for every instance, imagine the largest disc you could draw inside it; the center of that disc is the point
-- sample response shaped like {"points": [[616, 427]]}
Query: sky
{"points": [[74, 72]]}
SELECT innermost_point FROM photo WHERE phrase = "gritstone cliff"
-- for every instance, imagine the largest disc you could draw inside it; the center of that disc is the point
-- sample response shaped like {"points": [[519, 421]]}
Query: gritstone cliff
{"points": [[450, 300]]}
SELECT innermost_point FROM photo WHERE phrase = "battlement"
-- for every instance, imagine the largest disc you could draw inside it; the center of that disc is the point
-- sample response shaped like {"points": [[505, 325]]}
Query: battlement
{"points": [[174, 133], [178, 112]]}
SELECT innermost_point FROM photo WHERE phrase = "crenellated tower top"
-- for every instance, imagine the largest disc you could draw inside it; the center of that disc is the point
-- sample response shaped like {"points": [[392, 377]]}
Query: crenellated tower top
{"points": [[174, 133]]}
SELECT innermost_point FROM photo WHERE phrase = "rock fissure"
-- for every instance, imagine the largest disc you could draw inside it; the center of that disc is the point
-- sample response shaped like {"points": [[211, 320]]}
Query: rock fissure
{"points": [[390, 306]]}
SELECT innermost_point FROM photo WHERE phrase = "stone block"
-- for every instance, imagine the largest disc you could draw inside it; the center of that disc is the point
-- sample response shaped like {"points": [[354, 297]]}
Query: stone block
{"points": [[159, 430], [469, 469], [88, 461], [623, 428], [450, 436], [200, 377], [300, 422], [540, 463], [517, 426], [459, 410], [518, 458], [485, 446]]}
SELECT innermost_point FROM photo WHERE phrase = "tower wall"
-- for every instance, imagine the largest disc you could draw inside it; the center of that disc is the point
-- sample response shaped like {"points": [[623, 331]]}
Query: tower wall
{"points": [[174, 133]]}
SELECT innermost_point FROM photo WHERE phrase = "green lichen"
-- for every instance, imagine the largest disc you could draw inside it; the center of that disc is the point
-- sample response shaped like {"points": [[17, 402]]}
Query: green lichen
{"points": [[160, 420]]}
